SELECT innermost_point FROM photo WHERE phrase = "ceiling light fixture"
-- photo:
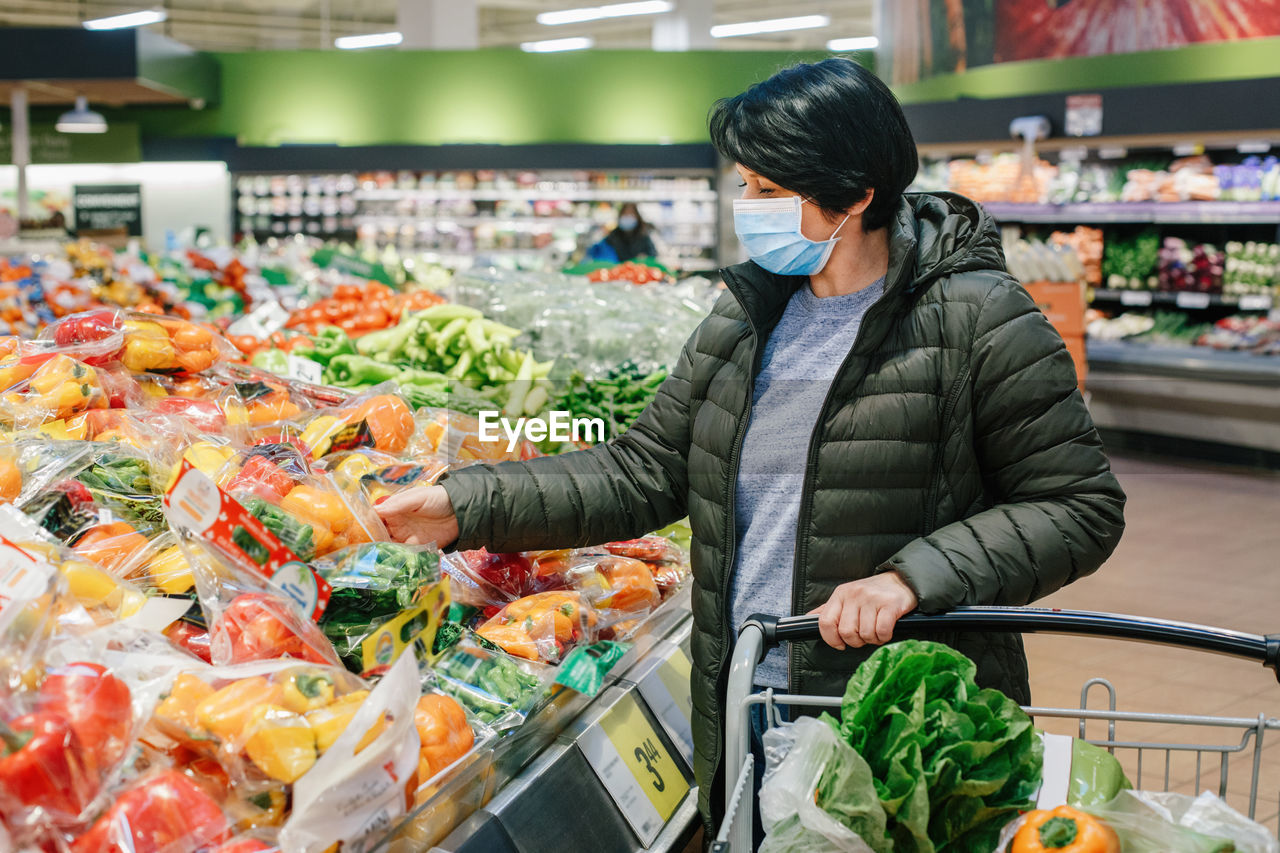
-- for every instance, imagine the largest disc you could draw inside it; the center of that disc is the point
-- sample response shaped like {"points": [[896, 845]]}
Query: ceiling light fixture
{"points": [[596, 13], [557, 45], [774, 25], [368, 40], [858, 43], [81, 119], [129, 19]]}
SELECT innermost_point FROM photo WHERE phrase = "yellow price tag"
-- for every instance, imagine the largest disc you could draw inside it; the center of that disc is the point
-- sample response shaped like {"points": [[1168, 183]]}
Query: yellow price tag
{"points": [[666, 691], [383, 646], [653, 785]]}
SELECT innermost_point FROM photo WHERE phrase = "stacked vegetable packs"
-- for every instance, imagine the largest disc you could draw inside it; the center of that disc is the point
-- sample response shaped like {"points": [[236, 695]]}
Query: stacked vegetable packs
{"points": [[202, 540]]}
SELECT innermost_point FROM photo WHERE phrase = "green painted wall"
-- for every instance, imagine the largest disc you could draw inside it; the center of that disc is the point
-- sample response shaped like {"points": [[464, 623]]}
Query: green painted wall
{"points": [[485, 96], [1237, 60]]}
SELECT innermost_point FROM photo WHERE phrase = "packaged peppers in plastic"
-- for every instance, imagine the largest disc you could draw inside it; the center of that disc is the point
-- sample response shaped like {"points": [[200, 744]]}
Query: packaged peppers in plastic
{"points": [[497, 688], [543, 626], [377, 419]]}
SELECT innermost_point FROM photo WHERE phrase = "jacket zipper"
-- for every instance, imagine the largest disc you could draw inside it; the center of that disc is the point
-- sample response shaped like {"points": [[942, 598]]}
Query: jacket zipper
{"points": [[806, 489], [935, 486]]}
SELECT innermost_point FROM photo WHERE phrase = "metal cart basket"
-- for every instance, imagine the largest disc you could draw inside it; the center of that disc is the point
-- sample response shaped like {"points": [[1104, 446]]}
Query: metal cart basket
{"points": [[762, 632]]}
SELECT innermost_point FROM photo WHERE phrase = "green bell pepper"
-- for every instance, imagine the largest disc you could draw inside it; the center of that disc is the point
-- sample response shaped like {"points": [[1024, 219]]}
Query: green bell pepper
{"points": [[357, 371], [331, 342], [274, 360]]}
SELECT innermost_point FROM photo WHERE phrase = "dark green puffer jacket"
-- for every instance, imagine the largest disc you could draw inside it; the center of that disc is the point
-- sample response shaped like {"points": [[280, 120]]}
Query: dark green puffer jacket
{"points": [[953, 447]]}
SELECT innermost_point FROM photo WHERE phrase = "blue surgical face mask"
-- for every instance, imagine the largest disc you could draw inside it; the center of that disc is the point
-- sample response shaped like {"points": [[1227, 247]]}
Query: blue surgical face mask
{"points": [[627, 223], [769, 229]]}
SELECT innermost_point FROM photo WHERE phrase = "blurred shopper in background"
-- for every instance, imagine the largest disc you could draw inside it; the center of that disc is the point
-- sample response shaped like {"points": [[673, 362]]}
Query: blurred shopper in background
{"points": [[628, 241]]}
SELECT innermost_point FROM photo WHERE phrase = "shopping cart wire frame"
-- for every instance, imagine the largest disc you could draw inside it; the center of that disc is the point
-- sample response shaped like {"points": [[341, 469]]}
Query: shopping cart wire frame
{"points": [[760, 632]]}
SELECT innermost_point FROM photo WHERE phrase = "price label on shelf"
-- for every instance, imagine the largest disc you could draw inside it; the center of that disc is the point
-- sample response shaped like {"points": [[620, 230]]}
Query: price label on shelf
{"points": [[1192, 300], [1255, 302], [633, 764], [267, 318], [305, 370], [1135, 297], [666, 691]]}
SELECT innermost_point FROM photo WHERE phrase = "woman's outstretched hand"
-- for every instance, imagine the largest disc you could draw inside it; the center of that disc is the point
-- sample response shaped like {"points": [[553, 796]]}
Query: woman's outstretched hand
{"points": [[419, 516], [861, 613]]}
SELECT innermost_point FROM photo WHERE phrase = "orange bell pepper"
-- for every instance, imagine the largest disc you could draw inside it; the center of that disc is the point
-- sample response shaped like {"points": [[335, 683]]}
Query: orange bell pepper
{"points": [[542, 625], [390, 421], [443, 732], [111, 546], [10, 480], [632, 586]]}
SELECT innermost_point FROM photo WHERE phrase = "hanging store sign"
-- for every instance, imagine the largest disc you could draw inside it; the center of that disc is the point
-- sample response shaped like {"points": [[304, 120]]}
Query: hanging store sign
{"points": [[108, 207], [1084, 115]]}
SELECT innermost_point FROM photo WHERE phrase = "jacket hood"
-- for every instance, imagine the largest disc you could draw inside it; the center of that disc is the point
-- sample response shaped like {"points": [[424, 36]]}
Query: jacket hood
{"points": [[933, 235]]}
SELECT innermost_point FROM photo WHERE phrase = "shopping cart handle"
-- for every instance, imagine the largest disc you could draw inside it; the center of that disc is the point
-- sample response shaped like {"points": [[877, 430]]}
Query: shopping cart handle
{"points": [[1031, 620]]}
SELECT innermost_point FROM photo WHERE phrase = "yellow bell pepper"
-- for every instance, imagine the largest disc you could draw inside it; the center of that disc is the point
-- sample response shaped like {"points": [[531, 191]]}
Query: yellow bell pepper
{"points": [[251, 810], [178, 710], [319, 434], [170, 571], [207, 458], [331, 721], [282, 744], [147, 347], [89, 584], [228, 711], [356, 466], [306, 690]]}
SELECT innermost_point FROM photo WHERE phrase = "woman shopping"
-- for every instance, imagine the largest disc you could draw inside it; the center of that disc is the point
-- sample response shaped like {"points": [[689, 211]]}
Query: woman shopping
{"points": [[874, 418], [630, 240]]}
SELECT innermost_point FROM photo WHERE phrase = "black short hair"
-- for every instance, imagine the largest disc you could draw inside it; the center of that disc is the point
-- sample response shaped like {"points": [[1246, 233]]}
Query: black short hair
{"points": [[829, 130]]}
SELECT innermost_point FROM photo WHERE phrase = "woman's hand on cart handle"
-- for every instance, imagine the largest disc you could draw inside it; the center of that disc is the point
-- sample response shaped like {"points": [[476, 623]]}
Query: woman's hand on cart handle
{"points": [[420, 516], [864, 612]]}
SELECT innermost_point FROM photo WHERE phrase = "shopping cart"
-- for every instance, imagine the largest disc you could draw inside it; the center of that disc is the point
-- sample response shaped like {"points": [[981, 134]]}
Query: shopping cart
{"points": [[761, 632]]}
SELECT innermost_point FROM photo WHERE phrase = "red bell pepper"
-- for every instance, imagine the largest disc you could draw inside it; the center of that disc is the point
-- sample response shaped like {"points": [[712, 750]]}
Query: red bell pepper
{"points": [[88, 328], [193, 639], [165, 813], [42, 767], [98, 707], [264, 478], [205, 415], [244, 845], [259, 630]]}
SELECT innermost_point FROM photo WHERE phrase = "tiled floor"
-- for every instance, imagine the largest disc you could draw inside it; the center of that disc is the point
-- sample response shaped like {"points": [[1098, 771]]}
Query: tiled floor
{"points": [[1202, 544]]}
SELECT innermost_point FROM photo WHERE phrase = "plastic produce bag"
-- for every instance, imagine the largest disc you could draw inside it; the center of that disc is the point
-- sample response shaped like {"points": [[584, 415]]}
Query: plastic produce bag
{"points": [[384, 597], [357, 790], [820, 797], [543, 626], [1148, 822], [498, 689]]}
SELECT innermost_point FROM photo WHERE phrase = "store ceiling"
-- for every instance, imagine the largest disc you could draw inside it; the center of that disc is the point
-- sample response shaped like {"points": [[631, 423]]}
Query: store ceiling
{"points": [[310, 24]]}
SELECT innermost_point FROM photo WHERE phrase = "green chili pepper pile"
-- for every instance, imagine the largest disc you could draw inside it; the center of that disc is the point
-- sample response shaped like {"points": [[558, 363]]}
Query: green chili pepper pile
{"points": [[617, 399]]}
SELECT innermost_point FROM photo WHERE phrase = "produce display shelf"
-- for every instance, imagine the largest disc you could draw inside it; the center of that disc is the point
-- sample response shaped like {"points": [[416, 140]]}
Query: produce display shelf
{"points": [[620, 195], [1170, 213], [537, 222], [1142, 298], [1212, 404], [486, 801]]}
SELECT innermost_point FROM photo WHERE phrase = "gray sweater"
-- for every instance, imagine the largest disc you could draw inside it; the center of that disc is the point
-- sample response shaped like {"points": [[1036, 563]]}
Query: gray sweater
{"points": [[799, 362]]}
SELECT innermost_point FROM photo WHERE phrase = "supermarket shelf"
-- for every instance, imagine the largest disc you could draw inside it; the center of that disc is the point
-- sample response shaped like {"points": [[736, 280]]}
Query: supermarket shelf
{"points": [[1143, 298], [534, 195], [1169, 213], [1184, 362], [472, 221]]}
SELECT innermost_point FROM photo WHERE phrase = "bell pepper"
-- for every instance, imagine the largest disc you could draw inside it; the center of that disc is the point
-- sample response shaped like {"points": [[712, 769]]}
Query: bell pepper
{"points": [[19, 368], [631, 585], [147, 347], [318, 506], [111, 545], [252, 809], [10, 480], [259, 631], [318, 435], [243, 845], [96, 704], [263, 478], [547, 622], [444, 734], [305, 691], [177, 713], [272, 360], [331, 721], [226, 712], [89, 327], [1065, 830], [282, 745], [358, 371], [42, 765], [331, 342], [170, 571], [164, 813], [66, 386], [389, 419], [191, 638]]}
